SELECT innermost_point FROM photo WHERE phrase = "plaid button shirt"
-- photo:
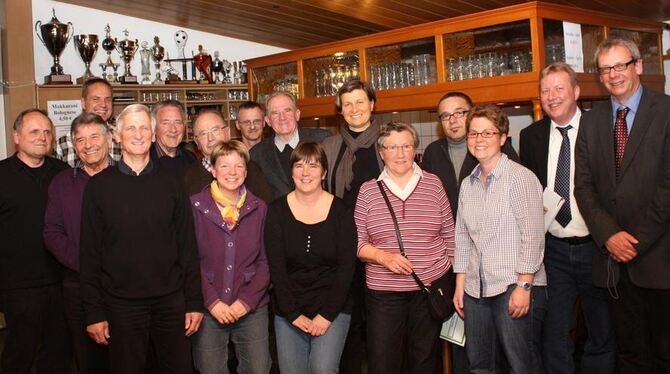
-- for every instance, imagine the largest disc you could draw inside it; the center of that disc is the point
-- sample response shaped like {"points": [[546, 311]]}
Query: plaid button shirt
{"points": [[65, 148]]}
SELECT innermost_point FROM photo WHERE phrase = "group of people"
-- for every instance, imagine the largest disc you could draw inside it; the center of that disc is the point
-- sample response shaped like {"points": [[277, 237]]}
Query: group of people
{"points": [[144, 257]]}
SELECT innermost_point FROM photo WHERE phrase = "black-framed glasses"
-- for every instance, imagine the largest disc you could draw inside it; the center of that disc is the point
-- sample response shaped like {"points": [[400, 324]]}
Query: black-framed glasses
{"points": [[486, 134], [602, 70], [444, 117]]}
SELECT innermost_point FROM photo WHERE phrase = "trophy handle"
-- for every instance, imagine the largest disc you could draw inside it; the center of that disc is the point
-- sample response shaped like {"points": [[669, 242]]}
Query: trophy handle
{"points": [[38, 24], [70, 31]]}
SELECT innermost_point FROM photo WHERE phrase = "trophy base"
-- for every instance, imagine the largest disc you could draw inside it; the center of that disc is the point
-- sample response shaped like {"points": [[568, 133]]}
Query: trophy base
{"points": [[58, 79], [128, 79], [81, 80]]}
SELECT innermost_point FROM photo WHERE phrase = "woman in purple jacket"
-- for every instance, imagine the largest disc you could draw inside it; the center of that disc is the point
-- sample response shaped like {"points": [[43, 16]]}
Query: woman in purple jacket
{"points": [[229, 224]]}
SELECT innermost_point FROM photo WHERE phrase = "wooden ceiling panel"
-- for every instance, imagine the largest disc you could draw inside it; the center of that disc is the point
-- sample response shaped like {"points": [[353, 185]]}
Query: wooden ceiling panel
{"points": [[300, 23]]}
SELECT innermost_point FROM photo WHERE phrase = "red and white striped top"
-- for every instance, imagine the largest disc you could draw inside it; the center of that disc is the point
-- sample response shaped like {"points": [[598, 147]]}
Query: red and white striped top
{"points": [[426, 225]]}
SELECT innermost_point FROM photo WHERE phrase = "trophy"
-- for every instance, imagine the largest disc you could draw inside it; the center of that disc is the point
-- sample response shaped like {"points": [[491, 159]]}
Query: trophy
{"points": [[55, 36], [158, 52], [87, 46], [127, 49], [180, 38], [109, 45], [203, 61], [145, 57], [226, 71], [217, 67]]}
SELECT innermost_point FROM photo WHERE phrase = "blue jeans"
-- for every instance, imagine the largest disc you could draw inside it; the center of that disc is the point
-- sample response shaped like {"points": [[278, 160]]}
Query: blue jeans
{"points": [[568, 277], [249, 335], [301, 353], [489, 327]]}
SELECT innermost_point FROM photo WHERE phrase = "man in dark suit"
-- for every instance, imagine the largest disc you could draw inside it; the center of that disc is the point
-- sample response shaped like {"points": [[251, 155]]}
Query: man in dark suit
{"points": [[547, 148], [273, 154], [450, 160], [622, 186]]}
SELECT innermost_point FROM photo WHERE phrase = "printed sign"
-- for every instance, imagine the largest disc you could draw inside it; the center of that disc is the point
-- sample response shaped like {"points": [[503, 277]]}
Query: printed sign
{"points": [[572, 37], [62, 112]]}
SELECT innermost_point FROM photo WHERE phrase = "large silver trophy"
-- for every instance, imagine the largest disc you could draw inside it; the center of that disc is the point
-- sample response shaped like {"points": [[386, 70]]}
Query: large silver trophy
{"points": [[127, 49], [145, 58], [158, 52], [87, 46], [109, 45], [55, 36]]}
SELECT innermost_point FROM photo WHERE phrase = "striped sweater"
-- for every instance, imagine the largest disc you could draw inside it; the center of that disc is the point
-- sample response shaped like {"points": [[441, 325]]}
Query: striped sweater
{"points": [[427, 228]]}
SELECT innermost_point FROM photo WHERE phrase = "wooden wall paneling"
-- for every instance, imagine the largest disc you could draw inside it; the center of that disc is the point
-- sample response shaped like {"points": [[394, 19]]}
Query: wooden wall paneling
{"points": [[18, 68]]}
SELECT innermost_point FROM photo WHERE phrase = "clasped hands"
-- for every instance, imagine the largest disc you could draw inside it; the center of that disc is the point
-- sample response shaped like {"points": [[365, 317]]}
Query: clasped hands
{"points": [[621, 246], [227, 314], [316, 326]]}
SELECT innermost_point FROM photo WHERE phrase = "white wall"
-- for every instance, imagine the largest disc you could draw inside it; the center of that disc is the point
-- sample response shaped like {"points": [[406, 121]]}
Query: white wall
{"points": [[90, 21]]}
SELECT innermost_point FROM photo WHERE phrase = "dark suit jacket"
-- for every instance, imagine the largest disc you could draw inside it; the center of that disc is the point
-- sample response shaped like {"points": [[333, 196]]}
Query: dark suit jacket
{"points": [[436, 160], [639, 202], [534, 148], [196, 178], [264, 154]]}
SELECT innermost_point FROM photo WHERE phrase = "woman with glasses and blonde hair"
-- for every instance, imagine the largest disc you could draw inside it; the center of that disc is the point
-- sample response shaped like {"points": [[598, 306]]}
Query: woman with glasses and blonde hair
{"points": [[402, 335], [500, 278]]}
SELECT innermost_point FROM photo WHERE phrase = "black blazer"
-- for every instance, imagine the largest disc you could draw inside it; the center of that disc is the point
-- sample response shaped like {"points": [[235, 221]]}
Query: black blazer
{"points": [[265, 156], [639, 202], [436, 160], [534, 148]]}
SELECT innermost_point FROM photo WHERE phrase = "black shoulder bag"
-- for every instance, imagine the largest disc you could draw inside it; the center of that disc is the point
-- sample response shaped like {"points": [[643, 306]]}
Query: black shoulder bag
{"points": [[440, 294]]}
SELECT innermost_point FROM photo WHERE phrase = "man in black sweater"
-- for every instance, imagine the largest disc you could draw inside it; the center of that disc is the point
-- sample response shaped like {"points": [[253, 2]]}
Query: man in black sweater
{"points": [[30, 278], [140, 274]]}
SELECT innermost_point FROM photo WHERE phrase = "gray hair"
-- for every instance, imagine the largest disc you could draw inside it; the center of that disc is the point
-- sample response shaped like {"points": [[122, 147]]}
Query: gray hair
{"points": [[133, 109], [609, 43], [287, 94], [390, 127], [88, 119], [168, 103]]}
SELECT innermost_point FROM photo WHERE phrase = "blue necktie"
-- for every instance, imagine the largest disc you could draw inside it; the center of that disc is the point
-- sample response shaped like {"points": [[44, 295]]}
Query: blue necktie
{"points": [[562, 181]]}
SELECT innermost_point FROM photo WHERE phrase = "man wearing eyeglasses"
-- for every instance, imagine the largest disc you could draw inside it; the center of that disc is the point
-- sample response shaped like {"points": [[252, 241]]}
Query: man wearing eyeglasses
{"points": [[622, 186], [273, 154], [547, 149], [250, 123], [209, 129], [450, 160]]}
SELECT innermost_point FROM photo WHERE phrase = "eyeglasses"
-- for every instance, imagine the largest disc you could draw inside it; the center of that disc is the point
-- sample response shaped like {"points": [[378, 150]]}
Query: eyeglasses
{"points": [[444, 117], [602, 70], [214, 131], [486, 134], [395, 147], [247, 123]]}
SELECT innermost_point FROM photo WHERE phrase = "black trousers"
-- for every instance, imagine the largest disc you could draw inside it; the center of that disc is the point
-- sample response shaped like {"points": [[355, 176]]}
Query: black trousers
{"points": [[90, 357], [36, 331], [402, 335], [133, 323], [354, 347], [641, 319]]}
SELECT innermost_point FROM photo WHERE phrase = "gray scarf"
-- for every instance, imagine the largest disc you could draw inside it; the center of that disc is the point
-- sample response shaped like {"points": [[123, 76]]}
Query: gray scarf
{"points": [[345, 170]]}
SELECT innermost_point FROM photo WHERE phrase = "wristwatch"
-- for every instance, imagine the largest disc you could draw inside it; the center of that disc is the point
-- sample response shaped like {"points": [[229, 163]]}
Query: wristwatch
{"points": [[525, 285]]}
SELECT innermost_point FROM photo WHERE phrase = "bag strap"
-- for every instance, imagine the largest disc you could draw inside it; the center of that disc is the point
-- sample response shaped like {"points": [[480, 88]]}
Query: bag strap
{"points": [[397, 233]]}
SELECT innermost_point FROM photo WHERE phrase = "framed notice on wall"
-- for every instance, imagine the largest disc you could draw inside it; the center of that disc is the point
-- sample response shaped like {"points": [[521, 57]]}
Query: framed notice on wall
{"points": [[62, 112]]}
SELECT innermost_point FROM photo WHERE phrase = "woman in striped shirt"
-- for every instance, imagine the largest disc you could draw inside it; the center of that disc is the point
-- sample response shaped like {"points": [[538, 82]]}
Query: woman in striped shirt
{"points": [[402, 335]]}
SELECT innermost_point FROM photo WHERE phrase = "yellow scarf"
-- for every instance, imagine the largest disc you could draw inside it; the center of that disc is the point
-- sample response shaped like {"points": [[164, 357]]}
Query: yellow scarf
{"points": [[230, 211]]}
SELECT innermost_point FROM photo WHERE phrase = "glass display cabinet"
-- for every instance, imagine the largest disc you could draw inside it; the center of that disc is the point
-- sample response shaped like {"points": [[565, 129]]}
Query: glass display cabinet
{"points": [[494, 56]]}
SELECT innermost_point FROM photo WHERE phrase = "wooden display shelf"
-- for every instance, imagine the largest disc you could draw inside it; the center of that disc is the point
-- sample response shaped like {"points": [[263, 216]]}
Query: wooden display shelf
{"points": [[516, 88]]}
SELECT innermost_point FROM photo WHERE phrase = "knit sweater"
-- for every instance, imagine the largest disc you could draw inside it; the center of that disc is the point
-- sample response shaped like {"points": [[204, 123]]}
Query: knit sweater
{"points": [[137, 240], [426, 226]]}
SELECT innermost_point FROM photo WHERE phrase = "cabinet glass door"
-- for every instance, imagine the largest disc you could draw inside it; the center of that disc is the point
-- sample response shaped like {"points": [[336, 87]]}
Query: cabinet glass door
{"points": [[406, 64], [282, 77], [323, 76]]}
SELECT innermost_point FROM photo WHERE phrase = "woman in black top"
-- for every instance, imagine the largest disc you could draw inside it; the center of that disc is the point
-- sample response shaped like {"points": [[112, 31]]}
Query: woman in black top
{"points": [[311, 247]]}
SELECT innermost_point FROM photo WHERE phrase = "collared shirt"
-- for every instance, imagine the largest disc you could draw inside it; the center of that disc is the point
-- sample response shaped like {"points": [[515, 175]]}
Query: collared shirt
{"points": [[402, 193], [633, 103], [499, 229], [577, 226], [127, 170], [66, 153], [280, 144], [207, 163]]}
